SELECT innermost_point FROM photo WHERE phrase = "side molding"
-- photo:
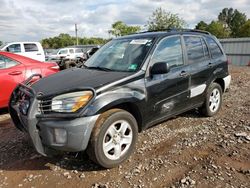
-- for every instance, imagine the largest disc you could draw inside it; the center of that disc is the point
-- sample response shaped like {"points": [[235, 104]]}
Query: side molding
{"points": [[197, 90]]}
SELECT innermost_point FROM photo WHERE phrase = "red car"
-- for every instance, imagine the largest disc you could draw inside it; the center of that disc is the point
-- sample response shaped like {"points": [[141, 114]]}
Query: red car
{"points": [[15, 69]]}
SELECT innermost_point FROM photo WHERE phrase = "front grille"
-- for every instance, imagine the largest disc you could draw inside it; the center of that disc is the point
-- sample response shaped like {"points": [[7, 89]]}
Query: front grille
{"points": [[44, 106]]}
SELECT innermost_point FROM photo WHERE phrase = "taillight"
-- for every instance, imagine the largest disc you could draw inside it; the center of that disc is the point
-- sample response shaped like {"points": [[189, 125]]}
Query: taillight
{"points": [[54, 67]]}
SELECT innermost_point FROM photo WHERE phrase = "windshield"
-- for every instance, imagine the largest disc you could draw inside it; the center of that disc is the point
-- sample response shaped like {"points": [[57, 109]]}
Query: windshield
{"points": [[126, 55]]}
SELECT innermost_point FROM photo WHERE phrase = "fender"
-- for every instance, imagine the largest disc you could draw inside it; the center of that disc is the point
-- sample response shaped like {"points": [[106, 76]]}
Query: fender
{"points": [[116, 97]]}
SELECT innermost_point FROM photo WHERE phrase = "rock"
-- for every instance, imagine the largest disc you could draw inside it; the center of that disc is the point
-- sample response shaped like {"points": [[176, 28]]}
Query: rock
{"points": [[192, 182], [82, 175], [241, 134]]}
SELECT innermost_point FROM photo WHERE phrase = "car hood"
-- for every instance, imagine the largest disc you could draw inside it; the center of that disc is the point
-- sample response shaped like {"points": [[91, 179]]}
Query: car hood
{"points": [[75, 78]]}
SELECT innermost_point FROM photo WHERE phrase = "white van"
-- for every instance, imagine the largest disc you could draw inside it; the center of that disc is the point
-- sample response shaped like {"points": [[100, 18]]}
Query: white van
{"points": [[69, 53], [33, 50]]}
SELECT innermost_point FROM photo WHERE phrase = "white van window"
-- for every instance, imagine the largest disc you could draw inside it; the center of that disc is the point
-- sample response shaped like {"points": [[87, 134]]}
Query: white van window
{"points": [[79, 50], [30, 47], [14, 48], [71, 51], [63, 51], [7, 62]]}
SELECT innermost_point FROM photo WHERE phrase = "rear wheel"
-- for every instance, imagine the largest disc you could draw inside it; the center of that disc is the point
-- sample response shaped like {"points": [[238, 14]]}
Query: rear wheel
{"points": [[113, 138], [213, 100]]}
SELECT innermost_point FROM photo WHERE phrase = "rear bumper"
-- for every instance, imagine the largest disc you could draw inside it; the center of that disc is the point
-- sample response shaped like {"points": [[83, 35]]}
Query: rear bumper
{"points": [[52, 134], [227, 81]]}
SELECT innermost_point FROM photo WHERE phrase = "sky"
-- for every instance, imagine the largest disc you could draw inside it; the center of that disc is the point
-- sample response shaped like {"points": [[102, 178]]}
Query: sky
{"points": [[33, 20]]}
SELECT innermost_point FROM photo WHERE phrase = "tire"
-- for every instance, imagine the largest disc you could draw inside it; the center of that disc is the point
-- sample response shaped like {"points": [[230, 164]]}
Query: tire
{"points": [[117, 130], [213, 100], [69, 64]]}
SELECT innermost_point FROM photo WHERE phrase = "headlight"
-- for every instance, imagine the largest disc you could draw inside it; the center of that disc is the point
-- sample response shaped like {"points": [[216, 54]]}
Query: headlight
{"points": [[71, 102]]}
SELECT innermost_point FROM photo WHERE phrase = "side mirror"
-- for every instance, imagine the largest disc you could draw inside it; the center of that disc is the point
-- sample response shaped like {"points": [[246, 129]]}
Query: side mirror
{"points": [[160, 68]]}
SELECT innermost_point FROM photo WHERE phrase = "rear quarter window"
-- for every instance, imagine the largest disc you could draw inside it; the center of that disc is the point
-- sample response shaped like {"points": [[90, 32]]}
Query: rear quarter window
{"points": [[214, 48], [30, 47], [7, 62]]}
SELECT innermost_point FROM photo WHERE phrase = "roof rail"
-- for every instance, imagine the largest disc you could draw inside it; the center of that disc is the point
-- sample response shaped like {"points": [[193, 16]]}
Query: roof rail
{"points": [[180, 30], [191, 30]]}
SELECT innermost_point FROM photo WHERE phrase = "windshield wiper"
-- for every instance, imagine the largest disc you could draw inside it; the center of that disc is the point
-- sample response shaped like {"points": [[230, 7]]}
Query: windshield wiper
{"points": [[99, 68]]}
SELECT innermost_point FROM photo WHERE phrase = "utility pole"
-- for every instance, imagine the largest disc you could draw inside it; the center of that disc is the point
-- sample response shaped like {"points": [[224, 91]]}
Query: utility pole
{"points": [[76, 34]]}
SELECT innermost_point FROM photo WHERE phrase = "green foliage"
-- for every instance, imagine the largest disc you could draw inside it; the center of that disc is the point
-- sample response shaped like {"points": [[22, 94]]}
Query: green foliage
{"points": [[232, 20], [162, 20], [64, 40], [245, 30], [120, 29], [230, 24], [1, 42], [216, 28], [201, 26]]}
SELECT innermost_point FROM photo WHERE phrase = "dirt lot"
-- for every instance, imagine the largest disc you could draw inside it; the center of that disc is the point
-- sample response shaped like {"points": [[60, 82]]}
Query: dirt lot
{"points": [[186, 151]]}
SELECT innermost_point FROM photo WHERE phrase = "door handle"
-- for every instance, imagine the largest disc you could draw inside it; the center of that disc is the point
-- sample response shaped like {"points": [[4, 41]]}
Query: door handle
{"points": [[183, 74], [39, 54], [14, 73]]}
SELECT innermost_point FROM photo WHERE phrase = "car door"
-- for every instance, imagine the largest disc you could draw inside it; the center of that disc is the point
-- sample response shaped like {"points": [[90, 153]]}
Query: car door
{"points": [[200, 66], [14, 48], [167, 93], [31, 50], [11, 73]]}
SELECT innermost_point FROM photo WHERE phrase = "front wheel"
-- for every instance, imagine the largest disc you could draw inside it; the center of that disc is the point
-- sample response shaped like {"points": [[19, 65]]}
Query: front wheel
{"points": [[213, 100], [113, 138]]}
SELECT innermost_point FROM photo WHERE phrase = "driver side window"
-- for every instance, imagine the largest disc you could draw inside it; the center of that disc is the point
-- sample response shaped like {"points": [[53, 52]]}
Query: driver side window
{"points": [[169, 50]]}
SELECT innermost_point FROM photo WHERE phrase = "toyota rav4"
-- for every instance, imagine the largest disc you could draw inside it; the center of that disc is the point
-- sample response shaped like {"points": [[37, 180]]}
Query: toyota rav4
{"points": [[130, 84]]}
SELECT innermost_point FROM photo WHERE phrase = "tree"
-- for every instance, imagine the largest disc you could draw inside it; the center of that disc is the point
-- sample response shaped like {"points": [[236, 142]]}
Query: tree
{"points": [[63, 40], [245, 30], [232, 20], [201, 26], [1, 42], [120, 29], [162, 20], [216, 28], [238, 20], [226, 16]]}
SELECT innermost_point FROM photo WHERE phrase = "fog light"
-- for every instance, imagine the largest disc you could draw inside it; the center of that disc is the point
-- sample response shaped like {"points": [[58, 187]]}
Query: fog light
{"points": [[60, 136]]}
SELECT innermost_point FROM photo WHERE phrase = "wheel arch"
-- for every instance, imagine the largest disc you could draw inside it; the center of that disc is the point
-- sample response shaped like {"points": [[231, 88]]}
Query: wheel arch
{"points": [[221, 82]]}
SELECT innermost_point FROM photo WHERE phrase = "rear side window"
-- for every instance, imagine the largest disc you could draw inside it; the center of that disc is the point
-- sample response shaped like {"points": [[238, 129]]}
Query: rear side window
{"points": [[195, 52], [79, 50], [14, 48], [7, 62], [214, 48], [169, 50], [30, 47]]}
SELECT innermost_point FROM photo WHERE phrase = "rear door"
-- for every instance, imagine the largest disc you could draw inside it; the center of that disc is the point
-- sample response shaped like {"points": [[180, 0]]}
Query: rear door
{"points": [[167, 93], [200, 65], [32, 51], [11, 73]]}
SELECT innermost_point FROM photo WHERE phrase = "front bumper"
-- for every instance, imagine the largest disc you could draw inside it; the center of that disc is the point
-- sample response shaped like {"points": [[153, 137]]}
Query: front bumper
{"points": [[51, 134]]}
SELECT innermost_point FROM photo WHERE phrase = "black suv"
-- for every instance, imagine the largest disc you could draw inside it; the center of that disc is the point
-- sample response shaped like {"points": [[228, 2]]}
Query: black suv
{"points": [[130, 84]]}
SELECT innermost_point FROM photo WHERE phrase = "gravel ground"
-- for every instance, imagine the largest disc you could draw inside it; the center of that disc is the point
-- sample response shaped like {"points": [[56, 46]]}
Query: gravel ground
{"points": [[186, 151]]}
